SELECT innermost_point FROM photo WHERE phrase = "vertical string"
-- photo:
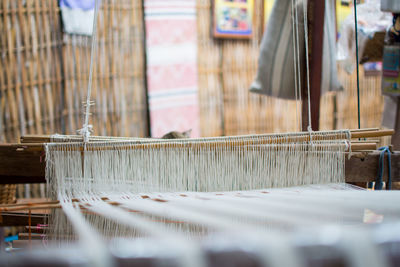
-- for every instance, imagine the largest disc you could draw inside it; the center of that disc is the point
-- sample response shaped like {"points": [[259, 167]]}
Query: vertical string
{"points": [[305, 11], [358, 71], [298, 55], [86, 128], [295, 64]]}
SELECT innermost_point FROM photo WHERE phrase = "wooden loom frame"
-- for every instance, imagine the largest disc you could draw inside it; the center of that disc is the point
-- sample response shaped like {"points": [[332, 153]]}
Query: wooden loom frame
{"points": [[25, 162]]}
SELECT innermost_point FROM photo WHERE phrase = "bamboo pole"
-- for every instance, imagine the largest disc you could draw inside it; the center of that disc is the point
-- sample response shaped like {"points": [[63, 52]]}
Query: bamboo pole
{"points": [[357, 146], [302, 137], [368, 134]]}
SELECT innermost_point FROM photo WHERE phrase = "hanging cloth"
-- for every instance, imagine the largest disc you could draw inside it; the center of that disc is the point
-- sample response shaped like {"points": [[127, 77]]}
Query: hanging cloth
{"points": [[171, 52], [390, 6], [275, 75], [77, 16]]}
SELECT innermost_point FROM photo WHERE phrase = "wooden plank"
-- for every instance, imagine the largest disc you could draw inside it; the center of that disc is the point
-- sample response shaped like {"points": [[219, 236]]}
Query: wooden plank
{"points": [[36, 229], [28, 165], [20, 219], [34, 236], [21, 165], [364, 167]]}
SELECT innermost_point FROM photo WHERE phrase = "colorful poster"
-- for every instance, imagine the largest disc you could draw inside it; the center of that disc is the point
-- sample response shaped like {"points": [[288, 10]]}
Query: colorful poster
{"points": [[233, 18]]}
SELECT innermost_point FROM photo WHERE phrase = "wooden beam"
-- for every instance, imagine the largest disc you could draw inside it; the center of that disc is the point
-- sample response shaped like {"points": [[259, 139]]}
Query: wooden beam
{"points": [[19, 166], [28, 166], [363, 167], [317, 33], [20, 219]]}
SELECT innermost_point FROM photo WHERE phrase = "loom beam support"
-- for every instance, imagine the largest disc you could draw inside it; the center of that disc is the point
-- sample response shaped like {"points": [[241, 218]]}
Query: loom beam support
{"points": [[316, 19], [22, 164], [21, 219]]}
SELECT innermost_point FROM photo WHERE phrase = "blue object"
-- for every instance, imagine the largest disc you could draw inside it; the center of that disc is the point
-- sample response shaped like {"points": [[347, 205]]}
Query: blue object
{"points": [[11, 238], [78, 4], [379, 182]]}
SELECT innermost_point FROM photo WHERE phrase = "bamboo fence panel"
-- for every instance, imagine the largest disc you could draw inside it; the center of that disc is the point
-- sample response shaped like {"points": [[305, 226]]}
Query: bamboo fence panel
{"points": [[210, 87], [119, 78], [371, 100], [30, 72]]}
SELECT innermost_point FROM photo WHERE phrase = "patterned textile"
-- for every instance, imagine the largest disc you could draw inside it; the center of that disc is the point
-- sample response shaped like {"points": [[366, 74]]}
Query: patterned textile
{"points": [[171, 39]]}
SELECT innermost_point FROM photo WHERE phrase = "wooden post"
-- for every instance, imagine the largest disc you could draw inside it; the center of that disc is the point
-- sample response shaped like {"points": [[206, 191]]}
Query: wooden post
{"points": [[316, 19], [146, 86], [396, 135]]}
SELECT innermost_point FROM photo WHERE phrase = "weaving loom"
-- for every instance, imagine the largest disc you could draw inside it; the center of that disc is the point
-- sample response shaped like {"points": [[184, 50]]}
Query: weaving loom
{"points": [[253, 200]]}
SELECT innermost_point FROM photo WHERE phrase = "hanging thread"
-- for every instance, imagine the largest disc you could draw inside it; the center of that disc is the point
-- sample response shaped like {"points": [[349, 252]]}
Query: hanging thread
{"points": [[305, 11], [358, 71], [87, 129]]}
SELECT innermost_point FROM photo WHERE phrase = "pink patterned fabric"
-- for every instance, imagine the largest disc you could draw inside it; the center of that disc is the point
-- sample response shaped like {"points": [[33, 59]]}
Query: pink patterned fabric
{"points": [[172, 66]]}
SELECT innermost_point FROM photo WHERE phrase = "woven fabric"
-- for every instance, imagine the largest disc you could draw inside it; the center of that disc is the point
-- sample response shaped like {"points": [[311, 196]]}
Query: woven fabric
{"points": [[171, 45]]}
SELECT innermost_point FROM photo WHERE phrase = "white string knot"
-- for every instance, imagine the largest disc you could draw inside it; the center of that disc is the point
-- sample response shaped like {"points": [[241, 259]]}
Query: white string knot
{"points": [[88, 103], [86, 131], [348, 142], [309, 129], [348, 146], [348, 135]]}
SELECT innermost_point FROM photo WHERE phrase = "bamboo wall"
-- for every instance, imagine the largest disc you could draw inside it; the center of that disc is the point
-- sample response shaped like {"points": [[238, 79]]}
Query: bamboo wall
{"points": [[44, 73], [30, 68]]}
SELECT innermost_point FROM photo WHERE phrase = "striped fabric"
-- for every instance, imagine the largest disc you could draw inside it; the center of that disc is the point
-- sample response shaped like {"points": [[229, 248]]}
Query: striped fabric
{"points": [[171, 39], [275, 75]]}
